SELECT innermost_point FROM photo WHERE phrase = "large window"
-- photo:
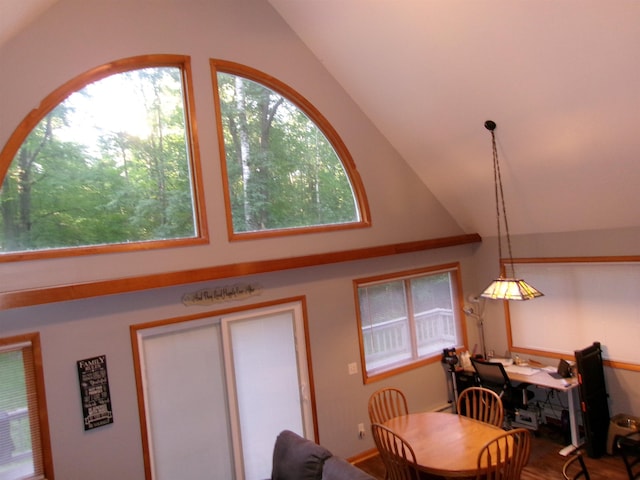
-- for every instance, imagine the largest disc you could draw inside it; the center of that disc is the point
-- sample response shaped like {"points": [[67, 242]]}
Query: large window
{"points": [[24, 433], [107, 160], [406, 319], [285, 168]]}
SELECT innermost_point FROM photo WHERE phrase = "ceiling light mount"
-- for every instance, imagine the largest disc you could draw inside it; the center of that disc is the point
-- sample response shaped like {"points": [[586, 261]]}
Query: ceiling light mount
{"points": [[504, 287]]}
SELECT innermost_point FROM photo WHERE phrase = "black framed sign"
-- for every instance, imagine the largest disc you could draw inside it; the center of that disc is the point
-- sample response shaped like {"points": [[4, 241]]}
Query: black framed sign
{"points": [[94, 392]]}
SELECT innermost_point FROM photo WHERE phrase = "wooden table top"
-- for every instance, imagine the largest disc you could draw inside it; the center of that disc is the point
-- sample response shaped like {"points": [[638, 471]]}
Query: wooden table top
{"points": [[445, 444]]}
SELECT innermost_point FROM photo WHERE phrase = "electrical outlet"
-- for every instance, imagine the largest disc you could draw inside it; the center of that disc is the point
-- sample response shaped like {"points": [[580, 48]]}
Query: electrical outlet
{"points": [[361, 431], [353, 368]]}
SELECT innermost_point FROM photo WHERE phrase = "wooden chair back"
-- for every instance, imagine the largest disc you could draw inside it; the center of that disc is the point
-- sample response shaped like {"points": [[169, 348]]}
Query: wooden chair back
{"points": [[504, 457], [387, 403], [396, 454], [575, 468], [481, 404]]}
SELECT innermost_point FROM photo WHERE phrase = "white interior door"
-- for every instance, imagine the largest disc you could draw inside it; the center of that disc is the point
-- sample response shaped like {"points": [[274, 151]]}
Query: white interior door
{"points": [[185, 401], [267, 381]]}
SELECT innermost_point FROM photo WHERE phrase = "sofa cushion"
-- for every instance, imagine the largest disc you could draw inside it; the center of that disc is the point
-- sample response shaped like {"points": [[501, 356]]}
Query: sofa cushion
{"points": [[296, 458], [335, 468]]}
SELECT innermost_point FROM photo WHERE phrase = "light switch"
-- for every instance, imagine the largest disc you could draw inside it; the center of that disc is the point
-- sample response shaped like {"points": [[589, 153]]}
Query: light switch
{"points": [[353, 368]]}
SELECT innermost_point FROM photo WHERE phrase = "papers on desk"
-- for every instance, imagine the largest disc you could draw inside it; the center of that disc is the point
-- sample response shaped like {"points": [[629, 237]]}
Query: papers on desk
{"points": [[521, 370]]}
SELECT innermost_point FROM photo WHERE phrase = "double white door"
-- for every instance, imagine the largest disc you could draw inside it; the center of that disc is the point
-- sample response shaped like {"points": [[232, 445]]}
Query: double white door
{"points": [[218, 390]]}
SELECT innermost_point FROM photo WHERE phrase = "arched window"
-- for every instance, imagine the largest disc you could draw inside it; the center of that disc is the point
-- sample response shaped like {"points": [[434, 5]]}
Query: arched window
{"points": [[286, 169], [107, 161]]}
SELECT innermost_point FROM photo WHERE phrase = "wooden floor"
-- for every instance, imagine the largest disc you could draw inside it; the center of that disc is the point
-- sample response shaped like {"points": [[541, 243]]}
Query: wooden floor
{"points": [[545, 462]]}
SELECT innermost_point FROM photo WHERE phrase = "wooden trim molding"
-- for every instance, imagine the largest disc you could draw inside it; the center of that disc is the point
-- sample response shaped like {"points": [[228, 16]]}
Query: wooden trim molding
{"points": [[62, 293]]}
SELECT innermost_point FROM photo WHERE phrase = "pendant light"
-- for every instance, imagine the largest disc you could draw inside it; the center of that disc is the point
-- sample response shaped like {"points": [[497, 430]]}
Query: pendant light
{"points": [[504, 287]]}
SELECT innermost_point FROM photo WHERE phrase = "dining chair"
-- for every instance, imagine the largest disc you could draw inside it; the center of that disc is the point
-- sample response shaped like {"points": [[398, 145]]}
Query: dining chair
{"points": [[387, 403], [481, 404], [504, 457], [396, 454], [575, 468], [629, 448]]}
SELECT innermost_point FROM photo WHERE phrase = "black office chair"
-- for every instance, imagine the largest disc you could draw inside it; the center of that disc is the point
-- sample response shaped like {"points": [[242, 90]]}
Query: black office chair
{"points": [[492, 375], [629, 448]]}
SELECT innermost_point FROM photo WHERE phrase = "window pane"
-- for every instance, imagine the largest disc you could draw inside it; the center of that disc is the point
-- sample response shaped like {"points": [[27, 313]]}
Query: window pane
{"points": [[408, 318], [109, 165], [282, 172], [385, 324], [434, 313], [19, 458]]}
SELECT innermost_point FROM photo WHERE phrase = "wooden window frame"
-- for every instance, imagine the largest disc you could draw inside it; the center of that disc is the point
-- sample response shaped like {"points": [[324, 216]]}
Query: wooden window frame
{"points": [[56, 97], [320, 122], [405, 276]]}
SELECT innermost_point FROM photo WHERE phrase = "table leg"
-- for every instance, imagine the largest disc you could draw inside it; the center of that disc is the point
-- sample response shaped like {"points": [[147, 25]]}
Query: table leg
{"points": [[573, 422]]}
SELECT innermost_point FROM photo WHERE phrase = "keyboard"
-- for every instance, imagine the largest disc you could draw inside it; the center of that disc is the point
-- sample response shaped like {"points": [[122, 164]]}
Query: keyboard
{"points": [[521, 370]]}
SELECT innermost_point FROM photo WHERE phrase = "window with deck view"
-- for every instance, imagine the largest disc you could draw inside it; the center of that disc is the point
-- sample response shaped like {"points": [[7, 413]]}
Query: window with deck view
{"points": [[407, 319]]}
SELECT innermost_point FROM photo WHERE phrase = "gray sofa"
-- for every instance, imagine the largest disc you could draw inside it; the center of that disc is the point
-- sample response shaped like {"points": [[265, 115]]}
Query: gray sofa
{"points": [[296, 458]]}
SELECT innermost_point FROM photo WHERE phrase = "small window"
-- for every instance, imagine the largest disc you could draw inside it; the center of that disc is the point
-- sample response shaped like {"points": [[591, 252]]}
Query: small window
{"points": [[405, 320], [107, 160], [286, 170], [24, 440]]}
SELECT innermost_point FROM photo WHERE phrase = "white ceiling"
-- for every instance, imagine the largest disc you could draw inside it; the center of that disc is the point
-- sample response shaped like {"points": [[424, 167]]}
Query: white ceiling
{"points": [[560, 78]]}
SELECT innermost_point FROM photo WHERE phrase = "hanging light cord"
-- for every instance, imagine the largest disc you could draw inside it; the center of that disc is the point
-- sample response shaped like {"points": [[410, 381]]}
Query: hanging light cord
{"points": [[499, 193], [504, 287]]}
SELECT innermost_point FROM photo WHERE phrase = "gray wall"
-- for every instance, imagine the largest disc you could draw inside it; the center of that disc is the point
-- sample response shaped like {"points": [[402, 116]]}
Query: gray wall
{"points": [[77, 35], [76, 330]]}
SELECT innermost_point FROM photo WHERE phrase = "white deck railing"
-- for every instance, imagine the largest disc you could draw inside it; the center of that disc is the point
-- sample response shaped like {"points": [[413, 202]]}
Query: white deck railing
{"points": [[389, 341]]}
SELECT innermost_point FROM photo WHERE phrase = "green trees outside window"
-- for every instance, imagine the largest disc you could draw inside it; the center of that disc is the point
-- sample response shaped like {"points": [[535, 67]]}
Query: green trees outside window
{"points": [[282, 171], [108, 165], [109, 162]]}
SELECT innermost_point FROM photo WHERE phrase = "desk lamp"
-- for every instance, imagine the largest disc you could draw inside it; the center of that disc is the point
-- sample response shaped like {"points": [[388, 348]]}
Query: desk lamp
{"points": [[471, 312]]}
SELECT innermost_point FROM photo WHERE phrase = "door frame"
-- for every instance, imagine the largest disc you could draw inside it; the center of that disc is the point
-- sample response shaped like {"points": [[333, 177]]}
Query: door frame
{"points": [[137, 335]]}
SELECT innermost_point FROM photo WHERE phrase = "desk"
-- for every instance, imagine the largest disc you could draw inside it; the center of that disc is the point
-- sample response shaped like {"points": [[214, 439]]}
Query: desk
{"points": [[568, 385], [445, 444], [541, 378]]}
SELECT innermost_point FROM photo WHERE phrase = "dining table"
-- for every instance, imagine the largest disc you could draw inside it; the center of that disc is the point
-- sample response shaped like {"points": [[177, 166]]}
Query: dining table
{"points": [[446, 445]]}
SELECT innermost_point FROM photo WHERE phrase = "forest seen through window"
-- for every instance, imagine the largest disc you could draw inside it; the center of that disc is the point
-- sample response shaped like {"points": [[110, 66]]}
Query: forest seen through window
{"points": [[282, 171], [109, 165]]}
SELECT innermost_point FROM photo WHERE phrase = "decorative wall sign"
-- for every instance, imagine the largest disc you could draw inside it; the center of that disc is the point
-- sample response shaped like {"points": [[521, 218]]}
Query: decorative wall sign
{"points": [[94, 392], [209, 296]]}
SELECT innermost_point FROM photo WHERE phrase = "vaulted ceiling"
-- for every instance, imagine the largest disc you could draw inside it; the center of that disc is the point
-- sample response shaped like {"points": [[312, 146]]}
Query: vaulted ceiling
{"points": [[560, 79]]}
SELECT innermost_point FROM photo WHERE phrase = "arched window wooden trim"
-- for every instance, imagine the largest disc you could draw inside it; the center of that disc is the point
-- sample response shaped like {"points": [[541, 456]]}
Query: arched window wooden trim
{"points": [[59, 95], [321, 123]]}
